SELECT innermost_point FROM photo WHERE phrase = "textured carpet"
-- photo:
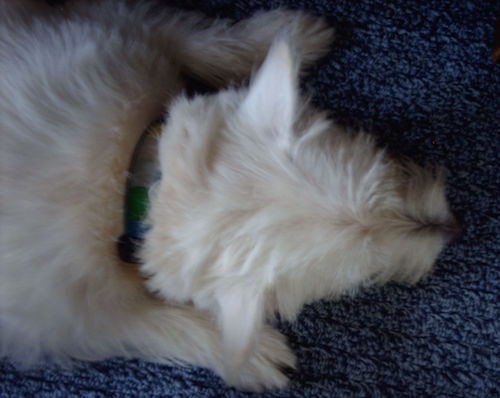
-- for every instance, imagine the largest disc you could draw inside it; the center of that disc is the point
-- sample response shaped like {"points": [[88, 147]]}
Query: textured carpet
{"points": [[418, 75]]}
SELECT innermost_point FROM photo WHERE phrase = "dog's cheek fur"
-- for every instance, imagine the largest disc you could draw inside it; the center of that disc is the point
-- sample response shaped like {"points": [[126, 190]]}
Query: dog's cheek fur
{"points": [[220, 271]]}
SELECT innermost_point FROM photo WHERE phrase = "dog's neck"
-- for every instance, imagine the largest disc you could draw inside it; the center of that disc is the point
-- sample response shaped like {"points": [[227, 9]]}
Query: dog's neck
{"points": [[143, 172]]}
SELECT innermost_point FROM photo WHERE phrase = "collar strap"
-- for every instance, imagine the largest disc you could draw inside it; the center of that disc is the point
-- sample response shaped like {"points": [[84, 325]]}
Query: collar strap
{"points": [[143, 172]]}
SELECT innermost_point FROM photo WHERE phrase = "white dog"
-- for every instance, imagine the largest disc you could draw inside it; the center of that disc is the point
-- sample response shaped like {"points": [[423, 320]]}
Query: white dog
{"points": [[263, 204]]}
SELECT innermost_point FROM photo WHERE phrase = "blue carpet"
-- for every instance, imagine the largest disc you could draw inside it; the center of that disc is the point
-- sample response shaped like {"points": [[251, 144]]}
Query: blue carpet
{"points": [[419, 76]]}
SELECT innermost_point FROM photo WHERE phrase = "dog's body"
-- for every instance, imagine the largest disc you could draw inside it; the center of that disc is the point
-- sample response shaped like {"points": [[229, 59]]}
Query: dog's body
{"points": [[263, 204]]}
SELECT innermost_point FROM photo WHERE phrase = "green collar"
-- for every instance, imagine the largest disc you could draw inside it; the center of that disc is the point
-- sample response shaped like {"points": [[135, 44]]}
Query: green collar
{"points": [[143, 172]]}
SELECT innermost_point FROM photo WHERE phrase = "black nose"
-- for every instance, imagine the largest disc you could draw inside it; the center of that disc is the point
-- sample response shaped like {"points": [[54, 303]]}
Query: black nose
{"points": [[453, 230]]}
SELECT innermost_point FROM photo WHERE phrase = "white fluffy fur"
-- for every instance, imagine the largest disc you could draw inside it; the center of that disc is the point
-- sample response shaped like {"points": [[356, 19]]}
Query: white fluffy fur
{"points": [[264, 204]]}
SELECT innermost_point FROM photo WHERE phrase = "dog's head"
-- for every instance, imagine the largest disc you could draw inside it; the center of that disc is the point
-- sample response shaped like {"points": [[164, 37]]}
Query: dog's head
{"points": [[265, 205]]}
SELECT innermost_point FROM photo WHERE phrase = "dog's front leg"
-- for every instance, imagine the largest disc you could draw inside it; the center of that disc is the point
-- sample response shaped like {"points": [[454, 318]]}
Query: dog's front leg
{"points": [[218, 52]]}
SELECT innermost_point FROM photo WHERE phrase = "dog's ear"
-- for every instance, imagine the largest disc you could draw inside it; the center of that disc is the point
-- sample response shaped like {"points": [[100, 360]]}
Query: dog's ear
{"points": [[271, 102], [241, 316]]}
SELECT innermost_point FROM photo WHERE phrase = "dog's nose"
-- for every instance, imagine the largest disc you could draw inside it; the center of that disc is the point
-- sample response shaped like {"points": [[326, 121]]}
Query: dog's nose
{"points": [[453, 230]]}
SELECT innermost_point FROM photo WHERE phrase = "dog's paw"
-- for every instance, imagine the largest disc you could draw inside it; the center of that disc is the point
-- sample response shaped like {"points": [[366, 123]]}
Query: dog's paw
{"points": [[263, 370], [310, 36]]}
